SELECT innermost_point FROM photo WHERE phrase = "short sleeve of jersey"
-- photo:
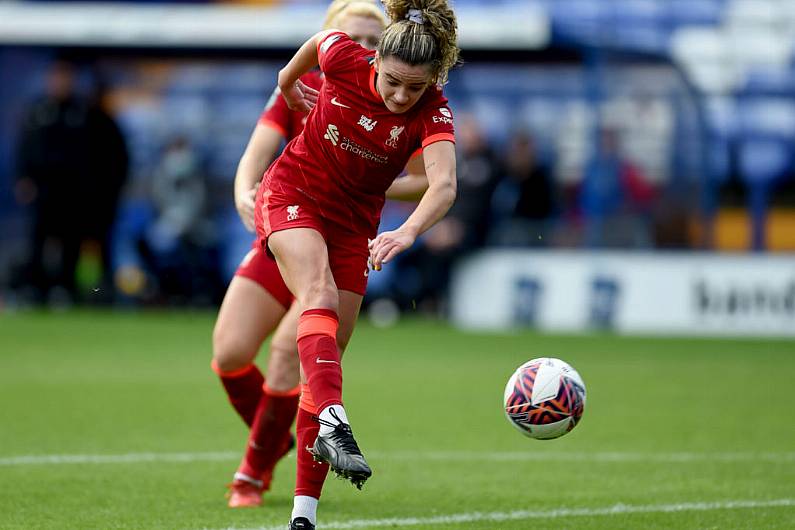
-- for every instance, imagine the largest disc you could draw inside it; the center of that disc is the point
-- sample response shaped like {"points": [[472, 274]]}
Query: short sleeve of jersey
{"points": [[336, 53], [436, 120], [276, 114]]}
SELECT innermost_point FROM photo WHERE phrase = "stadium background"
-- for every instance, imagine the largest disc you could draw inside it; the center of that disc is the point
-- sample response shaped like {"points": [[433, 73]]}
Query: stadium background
{"points": [[694, 97], [662, 135]]}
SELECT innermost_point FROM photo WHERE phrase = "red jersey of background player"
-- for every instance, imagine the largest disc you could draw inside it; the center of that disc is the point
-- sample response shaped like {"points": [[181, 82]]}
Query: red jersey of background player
{"points": [[352, 146], [278, 115]]}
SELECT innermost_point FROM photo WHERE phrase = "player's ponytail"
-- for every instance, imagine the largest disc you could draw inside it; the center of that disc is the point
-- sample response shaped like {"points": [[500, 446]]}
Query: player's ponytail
{"points": [[421, 32]]}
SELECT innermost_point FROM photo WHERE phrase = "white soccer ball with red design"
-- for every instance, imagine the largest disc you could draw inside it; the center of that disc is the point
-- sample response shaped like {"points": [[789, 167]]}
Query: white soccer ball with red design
{"points": [[544, 398]]}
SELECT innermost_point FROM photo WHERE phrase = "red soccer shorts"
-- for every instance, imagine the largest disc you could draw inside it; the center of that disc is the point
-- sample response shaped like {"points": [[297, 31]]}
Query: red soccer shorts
{"points": [[261, 268], [347, 250]]}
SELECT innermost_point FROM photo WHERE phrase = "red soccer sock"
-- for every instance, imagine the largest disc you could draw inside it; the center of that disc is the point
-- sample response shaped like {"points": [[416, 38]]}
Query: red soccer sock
{"points": [[320, 357], [244, 388], [310, 475], [269, 439]]}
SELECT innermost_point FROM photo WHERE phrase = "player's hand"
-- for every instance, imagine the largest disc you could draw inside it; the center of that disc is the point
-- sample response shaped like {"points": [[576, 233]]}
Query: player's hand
{"points": [[244, 203], [300, 97], [388, 245], [311, 95]]}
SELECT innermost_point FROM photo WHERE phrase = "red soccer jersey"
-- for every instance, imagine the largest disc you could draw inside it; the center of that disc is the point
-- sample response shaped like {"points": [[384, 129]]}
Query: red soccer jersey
{"points": [[352, 146], [288, 122]]}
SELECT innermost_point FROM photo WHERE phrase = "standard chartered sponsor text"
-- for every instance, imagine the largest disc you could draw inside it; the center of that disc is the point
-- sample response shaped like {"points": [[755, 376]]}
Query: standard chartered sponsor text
{"points": [[349, 145]]}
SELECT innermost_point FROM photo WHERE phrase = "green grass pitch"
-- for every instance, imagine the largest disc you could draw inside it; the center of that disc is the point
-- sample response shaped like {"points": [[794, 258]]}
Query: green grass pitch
{"points": [[114, 420]]}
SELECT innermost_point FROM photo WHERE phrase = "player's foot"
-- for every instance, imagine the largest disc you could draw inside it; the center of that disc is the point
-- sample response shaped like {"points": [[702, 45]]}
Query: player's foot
{"points": [[245, 494], [301, 523], [339, 449], [267, 476]]}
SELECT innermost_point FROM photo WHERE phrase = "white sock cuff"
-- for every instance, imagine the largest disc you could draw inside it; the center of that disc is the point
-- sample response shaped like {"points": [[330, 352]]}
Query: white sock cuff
{"points": [[246, 478], [325, 415], [305, 506], [339, 410]]}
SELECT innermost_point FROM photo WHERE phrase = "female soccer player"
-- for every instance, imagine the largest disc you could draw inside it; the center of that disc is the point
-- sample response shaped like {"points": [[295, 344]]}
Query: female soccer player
{"points": [[257, 300], [320, 202]]}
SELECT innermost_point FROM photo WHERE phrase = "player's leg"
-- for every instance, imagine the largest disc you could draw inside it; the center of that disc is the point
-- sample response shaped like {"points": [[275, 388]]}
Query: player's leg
{"points": [[248, 314], [311, 474], [253, 307], [270, 438], [348, 257], [283, 364], [304, 262]]}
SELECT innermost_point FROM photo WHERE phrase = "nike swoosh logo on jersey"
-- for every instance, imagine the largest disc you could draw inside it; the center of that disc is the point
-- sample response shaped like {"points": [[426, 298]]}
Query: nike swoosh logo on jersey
{"points": [[337, 103], [319, 360]]}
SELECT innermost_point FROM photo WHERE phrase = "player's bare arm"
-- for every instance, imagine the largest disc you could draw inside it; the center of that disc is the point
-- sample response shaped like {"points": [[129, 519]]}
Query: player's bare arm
{"points": [[440, 168], [297, 95], [261, 149]]}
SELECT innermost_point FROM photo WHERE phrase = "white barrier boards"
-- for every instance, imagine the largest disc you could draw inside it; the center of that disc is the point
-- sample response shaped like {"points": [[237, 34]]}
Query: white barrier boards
{"points": [[164, 24], [675, 293]]}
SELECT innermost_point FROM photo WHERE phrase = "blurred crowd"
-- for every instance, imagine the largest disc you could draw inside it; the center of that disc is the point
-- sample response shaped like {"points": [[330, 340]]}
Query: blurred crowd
{"points": [[72, 162], [107, 228], [508, 197]]}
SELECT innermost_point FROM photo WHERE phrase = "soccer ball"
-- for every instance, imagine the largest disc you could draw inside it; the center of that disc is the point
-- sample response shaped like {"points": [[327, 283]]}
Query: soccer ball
{"points": [[544, 398]]}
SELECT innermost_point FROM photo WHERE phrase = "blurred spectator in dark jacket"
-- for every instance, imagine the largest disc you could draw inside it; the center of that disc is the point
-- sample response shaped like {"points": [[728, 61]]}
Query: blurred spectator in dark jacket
{"points": [[72, 164], [465, 226], [524, 202], [108, 171]]}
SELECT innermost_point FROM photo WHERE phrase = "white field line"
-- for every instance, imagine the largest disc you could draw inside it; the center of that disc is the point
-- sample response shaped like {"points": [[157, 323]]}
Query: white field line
{"points": [[558, 513], [453, 456], [617, 456], [129, 458]]}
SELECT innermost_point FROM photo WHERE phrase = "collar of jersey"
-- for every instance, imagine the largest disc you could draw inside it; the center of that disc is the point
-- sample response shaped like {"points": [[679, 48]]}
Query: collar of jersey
{"points": [[373, 91]]}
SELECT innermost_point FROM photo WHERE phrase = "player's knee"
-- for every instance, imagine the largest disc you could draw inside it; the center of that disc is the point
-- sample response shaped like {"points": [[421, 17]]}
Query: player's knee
{"points": [[232, 360], [321, 293], [230, 352]]}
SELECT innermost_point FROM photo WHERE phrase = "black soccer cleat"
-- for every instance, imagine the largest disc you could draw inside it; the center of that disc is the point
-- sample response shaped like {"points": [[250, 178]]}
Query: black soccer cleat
{"points": [[339, 449], [301, 523]]}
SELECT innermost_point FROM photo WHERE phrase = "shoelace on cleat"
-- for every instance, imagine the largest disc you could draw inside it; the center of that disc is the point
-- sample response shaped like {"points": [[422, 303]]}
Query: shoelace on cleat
{"points": [[342, 434]]}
